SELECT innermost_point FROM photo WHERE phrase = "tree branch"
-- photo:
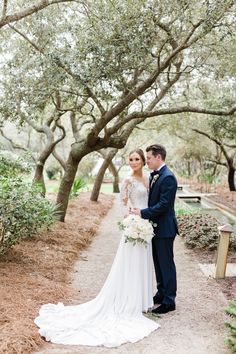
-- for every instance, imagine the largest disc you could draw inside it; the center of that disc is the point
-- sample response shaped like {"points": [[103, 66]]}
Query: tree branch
{"points": [[59, 159], [165, 111], [73, 124], [67, 70], [88, 90], [57, 122], [29, 10], [219, 143], [230, 146], [140, 89], [141, 116], [14, 145], [38, 128], [4, 9], [26, 38], [166, 28], [218, 162], [155, 101], [165, 89]]}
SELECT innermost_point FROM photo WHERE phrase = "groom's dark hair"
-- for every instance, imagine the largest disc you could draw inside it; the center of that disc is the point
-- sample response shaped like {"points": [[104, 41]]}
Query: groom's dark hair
{"points": [[157, 149]]}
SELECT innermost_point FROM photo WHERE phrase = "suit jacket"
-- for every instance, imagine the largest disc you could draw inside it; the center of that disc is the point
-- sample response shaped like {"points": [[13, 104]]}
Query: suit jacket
{"points": [[161, 204]]}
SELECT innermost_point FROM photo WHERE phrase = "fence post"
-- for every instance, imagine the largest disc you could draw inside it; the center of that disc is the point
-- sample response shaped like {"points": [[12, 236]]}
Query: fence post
{"points": [[222, 251]]}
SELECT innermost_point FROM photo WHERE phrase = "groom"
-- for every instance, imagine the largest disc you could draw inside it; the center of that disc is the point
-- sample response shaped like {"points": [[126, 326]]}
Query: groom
{"points": [[162, 191]]}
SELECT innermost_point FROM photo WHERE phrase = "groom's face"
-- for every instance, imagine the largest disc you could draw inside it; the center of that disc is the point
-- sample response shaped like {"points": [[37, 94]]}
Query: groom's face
{"points": [[153, 162]]}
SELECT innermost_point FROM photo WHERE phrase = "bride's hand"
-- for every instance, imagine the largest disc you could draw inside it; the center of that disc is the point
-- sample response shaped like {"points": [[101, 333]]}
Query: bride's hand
{"points": [[127, 213], [135, 211]]}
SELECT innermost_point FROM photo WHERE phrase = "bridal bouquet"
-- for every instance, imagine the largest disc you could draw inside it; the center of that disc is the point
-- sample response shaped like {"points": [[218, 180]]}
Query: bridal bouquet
{"points": [[136, 230]]}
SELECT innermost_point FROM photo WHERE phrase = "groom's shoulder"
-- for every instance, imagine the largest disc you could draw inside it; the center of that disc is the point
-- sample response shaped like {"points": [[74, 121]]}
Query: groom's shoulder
{"points": [[169, 173]]}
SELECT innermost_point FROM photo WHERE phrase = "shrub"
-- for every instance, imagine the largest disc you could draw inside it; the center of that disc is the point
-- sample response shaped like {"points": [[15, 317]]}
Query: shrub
{"points": [[11, 164], [53, 172], [23, 212], [78, 184], [206, 177], [200, 230], [231, 310]]}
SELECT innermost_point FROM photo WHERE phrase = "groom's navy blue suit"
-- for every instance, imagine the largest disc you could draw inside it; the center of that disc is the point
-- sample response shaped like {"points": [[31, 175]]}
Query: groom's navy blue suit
{"points": [[161, 211]]}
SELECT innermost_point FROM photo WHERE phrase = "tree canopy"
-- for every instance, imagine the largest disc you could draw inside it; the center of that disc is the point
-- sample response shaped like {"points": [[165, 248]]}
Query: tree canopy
{"points": [[114, 64]]}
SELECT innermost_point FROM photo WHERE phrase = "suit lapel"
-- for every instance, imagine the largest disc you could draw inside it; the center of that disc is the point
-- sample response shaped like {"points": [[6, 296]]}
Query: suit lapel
{"points": [[156, 183]]}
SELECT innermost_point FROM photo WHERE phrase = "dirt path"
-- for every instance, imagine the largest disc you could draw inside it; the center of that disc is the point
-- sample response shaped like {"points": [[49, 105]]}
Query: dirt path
{"points": [[197, 325]]}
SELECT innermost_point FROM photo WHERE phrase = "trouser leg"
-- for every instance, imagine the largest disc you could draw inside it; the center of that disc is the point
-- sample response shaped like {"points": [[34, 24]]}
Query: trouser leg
{"points": [[167, 269]]}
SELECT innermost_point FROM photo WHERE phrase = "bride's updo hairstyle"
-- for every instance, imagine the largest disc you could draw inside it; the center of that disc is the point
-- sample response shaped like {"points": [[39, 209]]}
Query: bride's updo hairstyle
{"points": [[140, 153]]}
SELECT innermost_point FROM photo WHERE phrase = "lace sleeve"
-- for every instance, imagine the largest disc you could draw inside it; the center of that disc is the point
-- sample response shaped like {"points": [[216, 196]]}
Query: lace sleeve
{"points": [[147, 178], [125, 194]]}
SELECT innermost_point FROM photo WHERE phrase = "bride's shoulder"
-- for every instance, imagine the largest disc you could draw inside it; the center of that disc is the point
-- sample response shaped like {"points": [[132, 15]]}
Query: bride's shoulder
{"points": [[127, 180], [126, 186], [146, 176]]}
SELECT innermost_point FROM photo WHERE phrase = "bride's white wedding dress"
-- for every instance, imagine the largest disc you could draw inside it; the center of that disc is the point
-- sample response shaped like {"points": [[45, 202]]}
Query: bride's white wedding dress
{"points": [[115, 316]]}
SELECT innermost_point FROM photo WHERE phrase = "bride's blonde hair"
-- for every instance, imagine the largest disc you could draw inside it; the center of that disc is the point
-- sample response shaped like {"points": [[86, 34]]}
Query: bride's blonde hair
{"points": [[140, 153]]}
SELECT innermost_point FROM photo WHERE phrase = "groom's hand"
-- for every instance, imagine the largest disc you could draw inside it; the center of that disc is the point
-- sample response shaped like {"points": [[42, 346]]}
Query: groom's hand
{"points": [[135, 211]]}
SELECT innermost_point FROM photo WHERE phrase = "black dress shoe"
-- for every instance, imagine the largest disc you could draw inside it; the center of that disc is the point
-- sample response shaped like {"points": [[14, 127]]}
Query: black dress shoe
{"points": [[157, 299], [164, 308]]}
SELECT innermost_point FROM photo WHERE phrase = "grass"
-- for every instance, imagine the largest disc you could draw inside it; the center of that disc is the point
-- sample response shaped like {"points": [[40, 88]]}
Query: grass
{"points": [[106, 188], [53, 186], [182, 208]]}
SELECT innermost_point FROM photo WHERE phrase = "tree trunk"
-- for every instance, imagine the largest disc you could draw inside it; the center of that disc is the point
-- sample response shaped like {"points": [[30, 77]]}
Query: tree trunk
{"points": [[100, 175], [46, 152], [79, 150], [66, 184], [38, 176], [231, 173], [59, 159], [116, 180], [214, 170], [189, 168]]}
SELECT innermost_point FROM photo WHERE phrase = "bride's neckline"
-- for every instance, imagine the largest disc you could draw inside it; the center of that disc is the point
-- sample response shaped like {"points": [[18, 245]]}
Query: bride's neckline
{"points": [[139, 180]]}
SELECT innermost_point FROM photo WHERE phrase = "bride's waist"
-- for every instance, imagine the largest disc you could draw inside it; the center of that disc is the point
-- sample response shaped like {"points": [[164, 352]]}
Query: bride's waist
{"points": [[139, 206]]}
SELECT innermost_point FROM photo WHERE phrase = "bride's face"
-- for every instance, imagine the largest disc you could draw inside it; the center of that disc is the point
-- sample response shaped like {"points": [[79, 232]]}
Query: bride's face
{"points": [[135, 161]]}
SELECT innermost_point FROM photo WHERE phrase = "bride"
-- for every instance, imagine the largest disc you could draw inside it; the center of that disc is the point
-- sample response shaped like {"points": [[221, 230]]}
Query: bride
{"points": [[115, 316]]}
